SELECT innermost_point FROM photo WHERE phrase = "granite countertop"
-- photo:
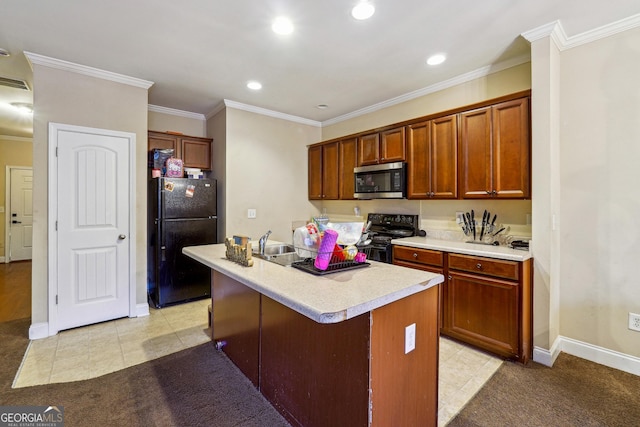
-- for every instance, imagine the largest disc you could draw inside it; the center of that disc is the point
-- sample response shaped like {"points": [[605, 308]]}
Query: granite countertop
{"points": [[477, 249], [331, 298]]}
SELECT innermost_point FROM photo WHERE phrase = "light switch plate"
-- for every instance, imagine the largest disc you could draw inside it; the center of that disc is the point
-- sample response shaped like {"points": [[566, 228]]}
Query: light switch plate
{"points": [[251, 213], [409, 338]]}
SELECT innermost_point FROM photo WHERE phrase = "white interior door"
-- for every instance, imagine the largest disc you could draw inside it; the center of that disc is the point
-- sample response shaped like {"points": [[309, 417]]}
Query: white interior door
{"points": [[93, 226], [21, 214]]}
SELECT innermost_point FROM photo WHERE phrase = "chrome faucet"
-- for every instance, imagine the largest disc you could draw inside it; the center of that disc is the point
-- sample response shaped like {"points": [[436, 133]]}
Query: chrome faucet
{"points": [[263, 242]]}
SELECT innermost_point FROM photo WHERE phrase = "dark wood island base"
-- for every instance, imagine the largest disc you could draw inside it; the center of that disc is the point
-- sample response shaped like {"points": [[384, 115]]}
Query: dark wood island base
{"points": [[354, 372]]}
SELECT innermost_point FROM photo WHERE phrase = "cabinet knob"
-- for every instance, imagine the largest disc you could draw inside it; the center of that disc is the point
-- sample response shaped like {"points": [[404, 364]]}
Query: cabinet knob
{"points": [[494, 192], [479, 266], [415, 255], [488, 192], [449, 277]]}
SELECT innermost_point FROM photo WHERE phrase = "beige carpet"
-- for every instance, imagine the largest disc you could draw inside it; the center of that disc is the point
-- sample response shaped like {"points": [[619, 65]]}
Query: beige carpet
{"points": [[575, 392]]}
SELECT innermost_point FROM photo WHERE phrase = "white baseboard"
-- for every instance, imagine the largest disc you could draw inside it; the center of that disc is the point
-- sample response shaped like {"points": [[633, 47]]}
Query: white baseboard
{"points": [[547, 357], [38, 330], [2, 259], [142, 310], [603, 356]]}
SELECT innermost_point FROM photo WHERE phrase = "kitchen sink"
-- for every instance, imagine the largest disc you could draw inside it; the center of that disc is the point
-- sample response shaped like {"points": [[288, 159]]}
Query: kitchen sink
{"points": [[282, 254]]}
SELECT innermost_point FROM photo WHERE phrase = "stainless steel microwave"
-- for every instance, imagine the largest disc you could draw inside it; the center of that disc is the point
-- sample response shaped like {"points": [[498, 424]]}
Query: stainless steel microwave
{"points": [[383, 181]]}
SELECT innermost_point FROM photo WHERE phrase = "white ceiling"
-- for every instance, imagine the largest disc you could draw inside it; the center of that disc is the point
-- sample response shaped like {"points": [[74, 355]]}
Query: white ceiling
{"points": [[199, 52]]}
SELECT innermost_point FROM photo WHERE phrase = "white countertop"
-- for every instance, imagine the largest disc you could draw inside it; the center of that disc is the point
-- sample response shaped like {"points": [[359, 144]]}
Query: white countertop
{"points": [[331, 298], [499, 252]]}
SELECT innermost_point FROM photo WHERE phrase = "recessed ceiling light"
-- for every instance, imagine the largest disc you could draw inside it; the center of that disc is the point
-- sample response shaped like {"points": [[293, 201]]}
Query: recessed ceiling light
{"points": [[254, 85], [322, 106], [23, 107], [436, 59], [282, 25], [4, 52], [363, 10]]}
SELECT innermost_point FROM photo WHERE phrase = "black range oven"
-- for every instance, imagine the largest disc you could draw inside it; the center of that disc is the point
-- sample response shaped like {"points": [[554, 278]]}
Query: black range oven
{"points": [[384, 228]]}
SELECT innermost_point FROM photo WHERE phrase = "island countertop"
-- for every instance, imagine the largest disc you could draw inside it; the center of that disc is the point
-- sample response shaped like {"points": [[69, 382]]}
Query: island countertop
{"points": [[330, 298]]}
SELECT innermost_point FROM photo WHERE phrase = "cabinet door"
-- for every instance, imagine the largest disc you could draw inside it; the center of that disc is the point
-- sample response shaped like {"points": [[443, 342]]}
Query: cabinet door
{"points": [[444, 158], [163, 141], [392, 146], [330, 171], [315, 172], [475, 153], [369, 149], [483, 312], [418, 161], [511, 164], [348, 161], [196, 152]]}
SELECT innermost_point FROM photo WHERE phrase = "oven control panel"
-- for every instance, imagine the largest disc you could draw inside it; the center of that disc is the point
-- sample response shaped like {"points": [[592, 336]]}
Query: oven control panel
{"points": [[391, 220]]}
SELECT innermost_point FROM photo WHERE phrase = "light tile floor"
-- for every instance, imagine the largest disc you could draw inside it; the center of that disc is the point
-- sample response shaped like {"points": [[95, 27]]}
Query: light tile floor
{"points": [[96, 350], [99, 349]]}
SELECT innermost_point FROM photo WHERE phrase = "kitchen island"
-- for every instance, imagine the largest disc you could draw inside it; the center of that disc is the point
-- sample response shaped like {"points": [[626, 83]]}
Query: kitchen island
{"points": [[357, 348]]}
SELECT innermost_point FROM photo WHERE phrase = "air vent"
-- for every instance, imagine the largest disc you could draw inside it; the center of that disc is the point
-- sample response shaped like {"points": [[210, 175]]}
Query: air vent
{"points": [[16, 84]]}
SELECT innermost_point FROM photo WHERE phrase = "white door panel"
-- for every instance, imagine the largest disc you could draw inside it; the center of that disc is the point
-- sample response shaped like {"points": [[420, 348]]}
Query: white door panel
{"points": [[21, 207], [93, 226]]}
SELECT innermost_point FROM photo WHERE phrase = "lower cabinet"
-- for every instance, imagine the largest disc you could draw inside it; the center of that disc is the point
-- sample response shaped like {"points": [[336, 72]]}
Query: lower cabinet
{"points": [[484, 302]]}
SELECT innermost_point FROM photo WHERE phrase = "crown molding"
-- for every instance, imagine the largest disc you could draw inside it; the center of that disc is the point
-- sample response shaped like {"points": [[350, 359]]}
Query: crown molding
{"points": [[555, 30], [463, 78], [174, 112], [216, 110], [59, 64], [263, 111]]}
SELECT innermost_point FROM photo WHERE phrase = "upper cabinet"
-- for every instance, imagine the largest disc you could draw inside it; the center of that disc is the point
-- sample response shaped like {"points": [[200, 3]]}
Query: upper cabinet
{"points": [[194, 151], [331, 170], [432, 153], [479, 151], [348, 161], [323, 171], [382, 147], [495, 151]]}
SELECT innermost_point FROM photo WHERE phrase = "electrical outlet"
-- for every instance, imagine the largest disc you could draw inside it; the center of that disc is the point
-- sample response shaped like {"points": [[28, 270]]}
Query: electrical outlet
{"points": [[251, 213], [409, 338], [634, 322], [459, 219]]}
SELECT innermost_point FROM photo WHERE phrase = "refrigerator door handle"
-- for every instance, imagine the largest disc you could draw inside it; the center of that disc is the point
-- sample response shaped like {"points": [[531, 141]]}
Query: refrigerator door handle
{"points": [[163, 256]]}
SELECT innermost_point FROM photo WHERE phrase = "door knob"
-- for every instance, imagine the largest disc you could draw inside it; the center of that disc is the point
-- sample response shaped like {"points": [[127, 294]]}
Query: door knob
{"points": [[122, 237], [16, 222]]}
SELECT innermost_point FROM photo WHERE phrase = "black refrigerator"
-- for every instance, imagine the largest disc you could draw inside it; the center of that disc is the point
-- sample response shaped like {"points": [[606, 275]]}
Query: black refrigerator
{"points": [[182, 212]]}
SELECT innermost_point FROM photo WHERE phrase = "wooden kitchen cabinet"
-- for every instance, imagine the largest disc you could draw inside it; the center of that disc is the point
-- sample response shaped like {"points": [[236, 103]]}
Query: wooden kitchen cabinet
{"points": [[348, 161], [488, 303], [323, 169], [194, 151], [495, 151], [432, 159], [382, 147], [484, 302]]}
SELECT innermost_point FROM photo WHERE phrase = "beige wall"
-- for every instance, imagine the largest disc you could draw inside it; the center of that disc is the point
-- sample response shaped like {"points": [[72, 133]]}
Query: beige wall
{"points": [[266, 169], [70, 98], [13, 152], [217, 129], [163, 122], [599, 232]]}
